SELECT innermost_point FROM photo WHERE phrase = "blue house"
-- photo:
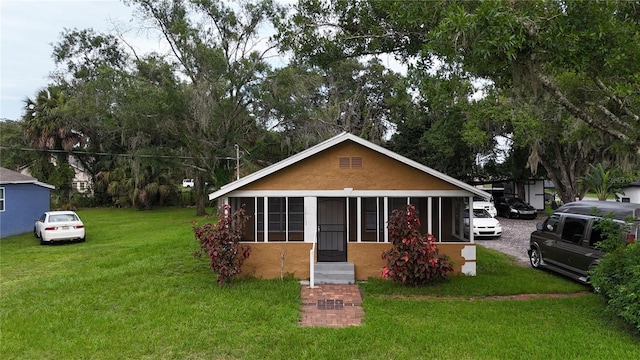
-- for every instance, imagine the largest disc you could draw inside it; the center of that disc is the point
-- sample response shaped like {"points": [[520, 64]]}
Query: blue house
{"points": [[22, 199]]}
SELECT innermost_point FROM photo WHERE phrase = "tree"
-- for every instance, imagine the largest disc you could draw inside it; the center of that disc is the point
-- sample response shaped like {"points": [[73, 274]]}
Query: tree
{"points": [[13, 140], [221, 243], [414, 258], [51, 132], [216, 47], [430, 130], [525, 48], [308, 104], [603, 182]]}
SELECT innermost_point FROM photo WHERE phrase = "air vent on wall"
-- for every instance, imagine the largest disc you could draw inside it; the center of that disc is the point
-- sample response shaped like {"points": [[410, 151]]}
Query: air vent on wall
{"points": [[353, 162]]}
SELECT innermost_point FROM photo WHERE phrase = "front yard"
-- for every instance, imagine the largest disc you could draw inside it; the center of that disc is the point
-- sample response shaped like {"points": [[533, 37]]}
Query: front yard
{"points": [[134, 290]]}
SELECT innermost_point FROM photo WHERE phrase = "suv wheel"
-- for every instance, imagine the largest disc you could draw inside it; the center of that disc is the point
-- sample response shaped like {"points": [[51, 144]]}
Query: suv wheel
{"points": [[535, 257]]}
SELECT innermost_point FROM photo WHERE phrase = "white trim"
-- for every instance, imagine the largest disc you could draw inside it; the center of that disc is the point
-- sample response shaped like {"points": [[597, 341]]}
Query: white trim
{"points": [[386, 216], [468, 253], [469, 268], [310, 219], [347, 194], [265, 218], [3, 190], [439, 218], [335, 141], [430, 215], [359, 219]]}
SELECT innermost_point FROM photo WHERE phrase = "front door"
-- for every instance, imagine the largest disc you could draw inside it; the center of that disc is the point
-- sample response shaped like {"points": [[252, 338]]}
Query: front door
{"points": [[332, 234]]}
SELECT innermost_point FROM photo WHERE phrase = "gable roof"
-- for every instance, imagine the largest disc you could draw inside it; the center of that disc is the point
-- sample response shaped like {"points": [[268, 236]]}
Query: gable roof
{"points": [[330, 143], [11, 177]]}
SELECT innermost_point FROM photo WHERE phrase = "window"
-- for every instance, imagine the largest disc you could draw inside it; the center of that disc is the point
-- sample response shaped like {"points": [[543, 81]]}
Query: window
{"points": [[373, 208], [1, 199], [282, 212], [573, 230], [551, 224]]}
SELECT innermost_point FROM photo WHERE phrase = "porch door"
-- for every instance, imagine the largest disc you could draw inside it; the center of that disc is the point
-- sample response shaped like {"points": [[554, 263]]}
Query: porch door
{"points": [[332, 235]]}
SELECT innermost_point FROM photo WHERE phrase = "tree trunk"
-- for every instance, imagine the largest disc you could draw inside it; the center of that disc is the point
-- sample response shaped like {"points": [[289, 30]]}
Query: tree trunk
{"points": [[200, 188]]}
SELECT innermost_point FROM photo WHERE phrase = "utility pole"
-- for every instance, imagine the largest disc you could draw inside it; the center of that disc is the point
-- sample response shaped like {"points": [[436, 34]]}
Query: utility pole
{"points": [[237, 161]]}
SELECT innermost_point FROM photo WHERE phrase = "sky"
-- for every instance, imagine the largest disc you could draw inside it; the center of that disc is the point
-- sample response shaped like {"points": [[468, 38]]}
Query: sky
{"points": [[29, 29]]}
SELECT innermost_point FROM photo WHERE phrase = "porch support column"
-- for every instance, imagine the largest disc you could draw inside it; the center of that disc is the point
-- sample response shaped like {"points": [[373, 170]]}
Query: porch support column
{"points": [[359, 219], [265, 218], [471, 237], [429, 215], [386, 216]]}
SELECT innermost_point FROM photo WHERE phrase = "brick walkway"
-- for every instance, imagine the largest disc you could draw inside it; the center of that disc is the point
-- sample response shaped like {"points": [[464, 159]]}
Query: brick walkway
{"points": [[331, 306]]}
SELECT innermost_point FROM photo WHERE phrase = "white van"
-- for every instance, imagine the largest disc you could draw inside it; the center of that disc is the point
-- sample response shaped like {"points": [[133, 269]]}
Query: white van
{"points": [[188, 183]]}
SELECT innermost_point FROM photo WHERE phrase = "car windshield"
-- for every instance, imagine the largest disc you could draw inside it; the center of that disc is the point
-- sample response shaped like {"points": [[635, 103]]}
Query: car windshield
{"points": [[481, 213], [515, 201], [478, 213]]}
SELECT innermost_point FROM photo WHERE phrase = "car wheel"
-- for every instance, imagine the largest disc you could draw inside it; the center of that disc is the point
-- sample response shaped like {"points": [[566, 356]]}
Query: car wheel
{"points": [[535, 257], [35, 233], [42, 242]]}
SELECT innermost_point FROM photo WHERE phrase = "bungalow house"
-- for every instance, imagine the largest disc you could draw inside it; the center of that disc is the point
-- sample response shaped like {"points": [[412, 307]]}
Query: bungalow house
{"points": [[22, 198], [328, 205]]}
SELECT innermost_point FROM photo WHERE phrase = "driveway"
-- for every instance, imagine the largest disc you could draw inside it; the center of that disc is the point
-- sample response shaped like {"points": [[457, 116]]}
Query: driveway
{"points": [[515, 238]]}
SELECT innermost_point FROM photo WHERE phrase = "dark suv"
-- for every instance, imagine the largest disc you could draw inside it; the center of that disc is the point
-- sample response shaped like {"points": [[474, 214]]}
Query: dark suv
{"points": [[566, 241]]}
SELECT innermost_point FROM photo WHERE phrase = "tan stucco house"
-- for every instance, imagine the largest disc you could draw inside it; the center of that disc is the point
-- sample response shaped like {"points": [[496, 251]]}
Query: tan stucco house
{"points": [[329, 204]]}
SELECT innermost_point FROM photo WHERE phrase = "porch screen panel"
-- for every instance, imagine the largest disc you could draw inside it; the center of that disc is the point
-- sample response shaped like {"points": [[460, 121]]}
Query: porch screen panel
{"points": [[421, 206], [296, 218], [397, 203], [248, 204], [277, 218], [373, 219], [260, 218]]}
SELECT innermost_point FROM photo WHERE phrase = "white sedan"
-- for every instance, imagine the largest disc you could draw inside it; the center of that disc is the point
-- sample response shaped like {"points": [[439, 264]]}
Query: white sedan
{"points": [[484, 225], [54, 226]]}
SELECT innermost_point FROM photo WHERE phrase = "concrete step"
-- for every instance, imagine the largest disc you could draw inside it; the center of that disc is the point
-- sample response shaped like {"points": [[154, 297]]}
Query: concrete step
{"points": [[334, 273]]}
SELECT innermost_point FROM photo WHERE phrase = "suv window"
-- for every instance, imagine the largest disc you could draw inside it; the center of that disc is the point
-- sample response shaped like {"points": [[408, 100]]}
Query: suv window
{"points": [[596, 234], [551, 224], [573, 230]]}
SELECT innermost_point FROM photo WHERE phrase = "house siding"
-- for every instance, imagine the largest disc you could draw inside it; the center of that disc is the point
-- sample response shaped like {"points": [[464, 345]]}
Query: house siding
{"points": [[272, 260], [23, 203], [322, 172]]}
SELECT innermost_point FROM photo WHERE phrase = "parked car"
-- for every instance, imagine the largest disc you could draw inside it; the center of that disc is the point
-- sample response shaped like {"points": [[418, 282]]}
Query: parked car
{"points": [[487, 205], [566, 242], [59, 226], [484, 225], [515, 208]]}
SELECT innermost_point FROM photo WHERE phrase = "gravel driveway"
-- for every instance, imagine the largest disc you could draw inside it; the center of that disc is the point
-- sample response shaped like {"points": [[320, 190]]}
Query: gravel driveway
{"points": [[515, 238]]}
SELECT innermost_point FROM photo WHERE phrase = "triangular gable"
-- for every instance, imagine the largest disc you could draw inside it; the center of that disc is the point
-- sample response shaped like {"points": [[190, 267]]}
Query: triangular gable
{"points": [[296, 160]]}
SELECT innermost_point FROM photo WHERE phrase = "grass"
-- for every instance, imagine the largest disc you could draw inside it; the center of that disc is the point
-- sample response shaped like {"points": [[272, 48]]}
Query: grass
{"points": [[134, 290]]}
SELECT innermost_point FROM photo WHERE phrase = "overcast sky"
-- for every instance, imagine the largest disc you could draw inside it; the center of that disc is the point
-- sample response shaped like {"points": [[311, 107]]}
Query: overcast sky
{"points": [[28, 30]]}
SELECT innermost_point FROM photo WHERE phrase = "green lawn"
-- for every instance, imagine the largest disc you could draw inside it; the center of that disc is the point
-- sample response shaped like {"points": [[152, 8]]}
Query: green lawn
{"points": [[134, 291]]}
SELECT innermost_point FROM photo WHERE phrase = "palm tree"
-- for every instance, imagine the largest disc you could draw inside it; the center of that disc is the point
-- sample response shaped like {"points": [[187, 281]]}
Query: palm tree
{"points": [[48, 129], [603, 182]]}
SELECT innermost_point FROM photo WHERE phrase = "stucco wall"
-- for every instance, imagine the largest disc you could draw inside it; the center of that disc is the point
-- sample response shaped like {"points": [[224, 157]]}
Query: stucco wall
{"points": [[322, 172], [23, 203], [266, 259]]}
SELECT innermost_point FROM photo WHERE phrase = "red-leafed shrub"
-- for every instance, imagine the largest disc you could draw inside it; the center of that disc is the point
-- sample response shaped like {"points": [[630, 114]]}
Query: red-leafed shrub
{"points": [[414, 258], [221, 242]]}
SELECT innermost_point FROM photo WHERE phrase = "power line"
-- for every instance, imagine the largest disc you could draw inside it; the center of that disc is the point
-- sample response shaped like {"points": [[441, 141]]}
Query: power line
{"points": [[75, 152]]}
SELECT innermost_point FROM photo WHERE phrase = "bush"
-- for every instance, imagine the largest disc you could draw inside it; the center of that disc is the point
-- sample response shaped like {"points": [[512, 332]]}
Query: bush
{"points": [[617, 276], [221, 242], [414, 258]]}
